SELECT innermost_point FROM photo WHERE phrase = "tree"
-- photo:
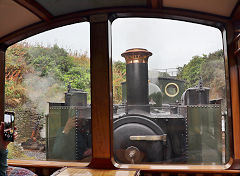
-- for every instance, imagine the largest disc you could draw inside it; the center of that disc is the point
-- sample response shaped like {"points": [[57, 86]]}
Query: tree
{"points": [[213, 74], [15, 69], [208, 67], [119, 76], [54, 60], [25, 62], [191, 72], [79, 77]]}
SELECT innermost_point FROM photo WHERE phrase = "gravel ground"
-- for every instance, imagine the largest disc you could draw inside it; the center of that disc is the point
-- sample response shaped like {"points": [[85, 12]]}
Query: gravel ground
{"points": [[36, 154]]}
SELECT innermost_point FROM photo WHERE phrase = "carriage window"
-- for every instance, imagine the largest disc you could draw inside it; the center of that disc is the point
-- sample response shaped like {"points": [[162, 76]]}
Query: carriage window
{"points": [[48, 87], [169, 93]]}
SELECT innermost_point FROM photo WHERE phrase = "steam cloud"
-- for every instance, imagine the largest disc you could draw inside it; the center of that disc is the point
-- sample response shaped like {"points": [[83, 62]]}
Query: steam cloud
{"points": [[43, 90]]}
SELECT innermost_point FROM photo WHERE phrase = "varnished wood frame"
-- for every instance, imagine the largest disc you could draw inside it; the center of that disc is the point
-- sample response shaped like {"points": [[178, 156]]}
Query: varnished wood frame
{"points": [[202, 18], [2, 82], [101, 91], [155, 4], [35, 8], [168, 13], [235, 15]]}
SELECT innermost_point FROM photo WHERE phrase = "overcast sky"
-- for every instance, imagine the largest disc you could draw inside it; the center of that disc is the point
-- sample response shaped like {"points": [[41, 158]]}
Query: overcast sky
{"points": [[173, 43]]}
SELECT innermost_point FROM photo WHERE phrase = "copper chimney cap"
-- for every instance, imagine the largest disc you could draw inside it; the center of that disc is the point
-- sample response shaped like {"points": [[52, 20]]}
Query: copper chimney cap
{"points": [[136, 55]]}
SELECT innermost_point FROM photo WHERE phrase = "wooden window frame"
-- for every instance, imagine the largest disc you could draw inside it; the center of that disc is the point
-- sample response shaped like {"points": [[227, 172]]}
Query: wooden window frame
{"points": [[101, 82]]}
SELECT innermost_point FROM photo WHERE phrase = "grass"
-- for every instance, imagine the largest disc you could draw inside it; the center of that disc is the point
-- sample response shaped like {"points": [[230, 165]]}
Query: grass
{"points": [[15, 151]]}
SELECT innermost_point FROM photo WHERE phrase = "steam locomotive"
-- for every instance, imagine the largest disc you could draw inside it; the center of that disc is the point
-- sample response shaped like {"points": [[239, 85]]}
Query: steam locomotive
{"points": [[172, 129], [158, 121]]}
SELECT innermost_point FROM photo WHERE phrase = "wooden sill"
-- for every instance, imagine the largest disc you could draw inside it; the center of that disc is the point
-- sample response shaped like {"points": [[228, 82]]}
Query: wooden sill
{"points": [[143, 167], [95, 172], [181, 168], [45, 164]]}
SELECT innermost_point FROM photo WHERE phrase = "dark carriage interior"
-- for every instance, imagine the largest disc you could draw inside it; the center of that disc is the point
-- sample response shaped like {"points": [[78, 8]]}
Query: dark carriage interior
{"points": [[132, 110]]}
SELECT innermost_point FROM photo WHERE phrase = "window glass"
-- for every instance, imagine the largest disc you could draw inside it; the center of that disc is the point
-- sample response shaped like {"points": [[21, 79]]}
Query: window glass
{"points": [[169, 93], [47, 85]]}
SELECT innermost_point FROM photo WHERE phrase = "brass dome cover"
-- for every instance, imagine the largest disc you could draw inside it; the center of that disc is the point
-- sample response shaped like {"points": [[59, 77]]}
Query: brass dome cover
{"points": [[136, 55]]}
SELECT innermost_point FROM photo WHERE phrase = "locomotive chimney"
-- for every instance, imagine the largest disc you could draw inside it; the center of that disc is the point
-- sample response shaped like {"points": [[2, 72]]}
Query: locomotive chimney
{"points": [[137, 80]]}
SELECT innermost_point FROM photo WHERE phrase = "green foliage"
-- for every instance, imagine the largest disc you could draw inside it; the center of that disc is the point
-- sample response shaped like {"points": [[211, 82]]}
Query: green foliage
{"points": [[120, 67], [119, 76], [213, 74], [16, 151], [58, 63], [54, 62], [14, 93], [15, 68], [79, 77], [210, 68], [191, 72]]}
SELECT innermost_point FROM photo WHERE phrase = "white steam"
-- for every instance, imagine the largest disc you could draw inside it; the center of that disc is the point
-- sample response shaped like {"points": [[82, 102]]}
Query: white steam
{"points": [[41, 90]]}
